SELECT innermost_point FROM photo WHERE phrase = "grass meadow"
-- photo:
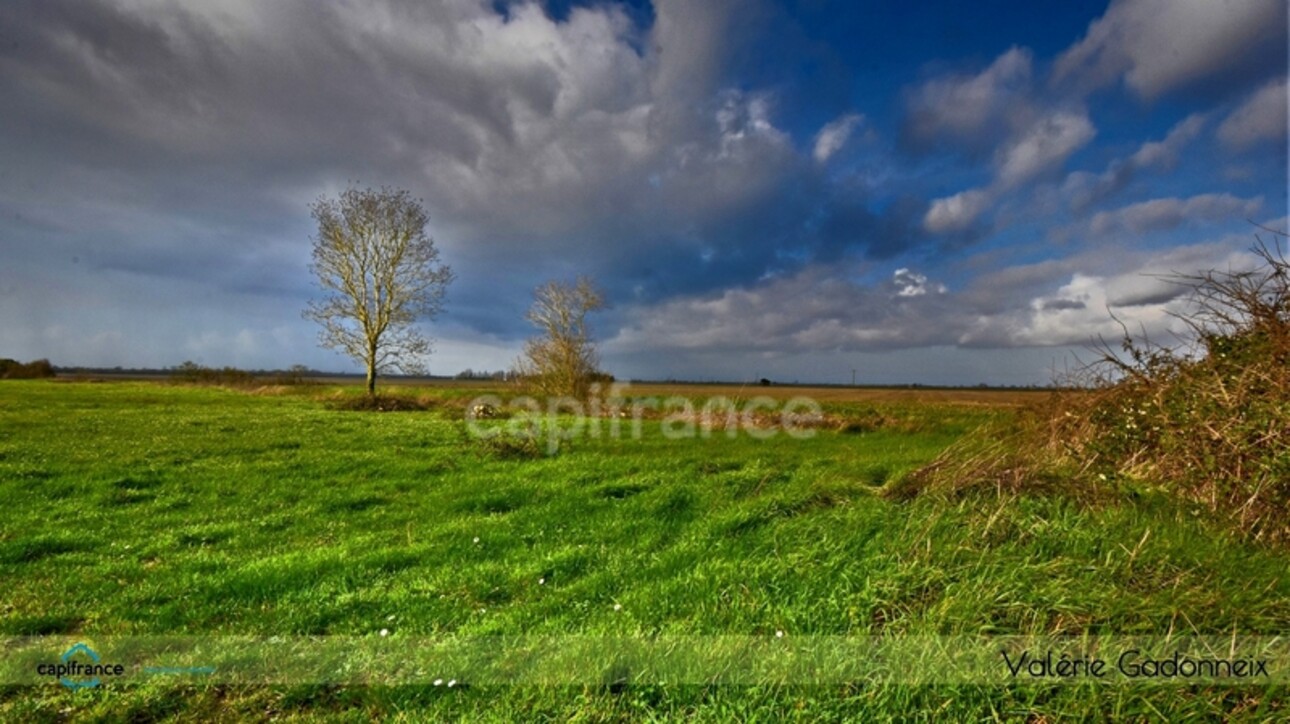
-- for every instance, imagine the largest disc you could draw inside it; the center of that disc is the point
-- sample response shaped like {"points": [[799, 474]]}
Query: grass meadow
{"points": [[141, 508]]}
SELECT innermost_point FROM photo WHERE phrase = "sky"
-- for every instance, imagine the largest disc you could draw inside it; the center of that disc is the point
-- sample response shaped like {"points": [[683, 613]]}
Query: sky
{"points": [[910, 192]]}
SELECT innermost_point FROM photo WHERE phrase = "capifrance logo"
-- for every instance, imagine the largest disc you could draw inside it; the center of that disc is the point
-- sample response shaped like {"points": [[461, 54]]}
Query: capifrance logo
{"points": [[80, 667], [615, 414]]}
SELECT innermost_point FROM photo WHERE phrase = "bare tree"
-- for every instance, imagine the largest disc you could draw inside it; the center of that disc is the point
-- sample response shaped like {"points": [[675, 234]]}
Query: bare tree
{"points": [[563, 360], [380, 272]]}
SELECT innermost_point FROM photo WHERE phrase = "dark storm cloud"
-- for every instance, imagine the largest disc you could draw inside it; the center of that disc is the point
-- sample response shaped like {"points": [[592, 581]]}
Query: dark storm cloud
{"points": [[186, 140], [1059, 304]]}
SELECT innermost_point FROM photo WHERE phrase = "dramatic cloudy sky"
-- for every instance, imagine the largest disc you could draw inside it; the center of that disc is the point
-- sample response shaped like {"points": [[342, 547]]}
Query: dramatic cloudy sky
{"points": [[936, 192]]}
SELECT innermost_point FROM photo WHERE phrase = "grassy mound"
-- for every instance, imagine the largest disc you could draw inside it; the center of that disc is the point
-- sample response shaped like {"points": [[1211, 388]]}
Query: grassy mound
{"points": [[1208, 420]]}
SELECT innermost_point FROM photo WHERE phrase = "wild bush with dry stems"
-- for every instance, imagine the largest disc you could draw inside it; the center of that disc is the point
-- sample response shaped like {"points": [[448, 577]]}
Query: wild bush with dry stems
{"points": [[1208, 420]]}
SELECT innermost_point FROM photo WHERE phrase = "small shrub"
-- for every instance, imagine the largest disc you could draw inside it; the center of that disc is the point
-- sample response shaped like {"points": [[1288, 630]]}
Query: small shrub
{"points": [[508, 446], [15, 370]]}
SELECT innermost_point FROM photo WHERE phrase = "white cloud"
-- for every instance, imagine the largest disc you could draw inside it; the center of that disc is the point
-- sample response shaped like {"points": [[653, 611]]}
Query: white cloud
{"points": [[1156, 46], [1164, 153], [957, 212], [1080, 311], [1084, 189], [1169, 213], [1262, 117], [1135, 289], [817, 308], [1045, 145], [1039, 147], [1069, 301], [833, 136], [1075, 312], [913, 284], [971, 110]]}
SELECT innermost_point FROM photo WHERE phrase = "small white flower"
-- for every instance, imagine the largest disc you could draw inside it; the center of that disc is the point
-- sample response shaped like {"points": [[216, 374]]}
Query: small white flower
{"points": [[385, 632], [476, 539], [438, 682], [618, 606], [390, 617], [779, 634], [452, 683], [541, 581]]}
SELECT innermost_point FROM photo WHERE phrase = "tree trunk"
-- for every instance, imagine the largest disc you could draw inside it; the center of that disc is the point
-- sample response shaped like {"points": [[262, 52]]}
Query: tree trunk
{"points": [[371, 379]]}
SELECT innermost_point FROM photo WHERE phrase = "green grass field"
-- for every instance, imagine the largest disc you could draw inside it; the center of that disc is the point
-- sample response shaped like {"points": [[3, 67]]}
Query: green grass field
{"points": [[142, 508]]}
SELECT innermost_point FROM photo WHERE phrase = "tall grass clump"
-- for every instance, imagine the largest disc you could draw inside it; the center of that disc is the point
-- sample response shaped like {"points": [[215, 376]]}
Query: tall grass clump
{"points": [[1207, 419]]}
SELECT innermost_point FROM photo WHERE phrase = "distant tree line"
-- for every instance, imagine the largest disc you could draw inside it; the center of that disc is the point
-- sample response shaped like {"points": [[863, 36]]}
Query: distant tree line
{"points": [[192, 373], [15, 370], [499, 375]]}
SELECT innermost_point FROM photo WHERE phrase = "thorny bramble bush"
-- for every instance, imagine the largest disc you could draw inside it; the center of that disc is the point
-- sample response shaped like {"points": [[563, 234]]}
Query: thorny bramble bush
{"points": [[1208, 419]]}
